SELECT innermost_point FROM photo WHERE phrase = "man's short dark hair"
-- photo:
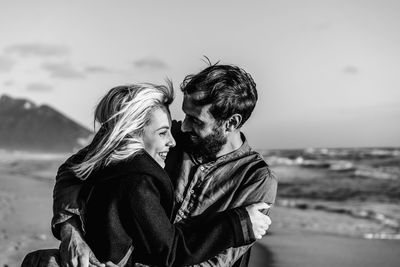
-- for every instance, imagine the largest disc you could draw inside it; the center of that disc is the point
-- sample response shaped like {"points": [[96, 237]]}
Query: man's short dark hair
{"points": [[229, 89]]}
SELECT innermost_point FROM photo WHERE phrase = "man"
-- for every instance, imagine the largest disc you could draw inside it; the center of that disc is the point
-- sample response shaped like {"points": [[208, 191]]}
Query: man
{"points": [[212, 166]]}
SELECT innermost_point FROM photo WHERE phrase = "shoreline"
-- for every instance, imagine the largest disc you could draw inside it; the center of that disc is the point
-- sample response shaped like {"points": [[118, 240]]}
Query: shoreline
{"points": [[349, 219], [288, 248]]}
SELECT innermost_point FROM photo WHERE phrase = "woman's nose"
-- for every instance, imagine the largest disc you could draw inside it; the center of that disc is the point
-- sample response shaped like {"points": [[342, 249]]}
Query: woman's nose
{"points": [[171, 141]]}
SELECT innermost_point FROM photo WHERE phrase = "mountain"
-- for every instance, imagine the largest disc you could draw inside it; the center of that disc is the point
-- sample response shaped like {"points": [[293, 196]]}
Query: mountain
{"points": [[29, 127]]}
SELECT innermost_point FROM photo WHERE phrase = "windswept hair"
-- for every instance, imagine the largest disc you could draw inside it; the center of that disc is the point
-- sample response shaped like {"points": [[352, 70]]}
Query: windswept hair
{"points": [[123, 113], [229, 89]]}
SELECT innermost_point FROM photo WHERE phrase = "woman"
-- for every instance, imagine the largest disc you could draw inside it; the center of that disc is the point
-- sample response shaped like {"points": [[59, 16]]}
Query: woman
{"points": [[130, 198]]}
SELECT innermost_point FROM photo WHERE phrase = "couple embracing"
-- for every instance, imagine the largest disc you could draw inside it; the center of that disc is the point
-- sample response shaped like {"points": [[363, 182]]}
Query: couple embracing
{"points": [[151, 191]]}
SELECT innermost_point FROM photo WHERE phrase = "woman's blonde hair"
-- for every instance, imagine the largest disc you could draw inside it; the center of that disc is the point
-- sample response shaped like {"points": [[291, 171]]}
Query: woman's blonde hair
{"points": [[123, 113]]}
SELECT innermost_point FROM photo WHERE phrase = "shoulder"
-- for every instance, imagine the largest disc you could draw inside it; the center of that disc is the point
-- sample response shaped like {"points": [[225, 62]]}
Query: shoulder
{"points": [[256, 168], [259, 179], [138, 167], [141, 162], [136, 173]]}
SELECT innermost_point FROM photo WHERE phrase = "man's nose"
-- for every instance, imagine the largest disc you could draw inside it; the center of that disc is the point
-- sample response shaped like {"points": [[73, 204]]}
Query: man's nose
{"points": [[185, 127]]}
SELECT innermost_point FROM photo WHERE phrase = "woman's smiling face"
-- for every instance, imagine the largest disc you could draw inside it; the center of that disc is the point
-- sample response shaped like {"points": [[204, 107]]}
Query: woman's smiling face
{"points": [[157, 137]]}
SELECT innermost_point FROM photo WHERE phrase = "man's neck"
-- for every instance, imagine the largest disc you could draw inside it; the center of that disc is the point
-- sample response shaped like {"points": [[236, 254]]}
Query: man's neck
{"points": [[233, 143]]}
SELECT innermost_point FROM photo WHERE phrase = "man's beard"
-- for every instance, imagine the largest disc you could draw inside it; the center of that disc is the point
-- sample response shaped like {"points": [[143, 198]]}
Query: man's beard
{"points": [[207, 147]]}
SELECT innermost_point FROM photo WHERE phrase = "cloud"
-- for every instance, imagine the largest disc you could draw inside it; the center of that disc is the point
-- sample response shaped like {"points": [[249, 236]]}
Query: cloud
{"points": [[8, 83], [63, 70], [40, 50], [150, 64], [6, 64], [97, 69], [352, 70], [39, 87]]}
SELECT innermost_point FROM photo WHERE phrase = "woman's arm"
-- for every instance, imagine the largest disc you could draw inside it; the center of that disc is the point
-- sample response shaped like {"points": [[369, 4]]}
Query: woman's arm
{"points": [[158, 242]]}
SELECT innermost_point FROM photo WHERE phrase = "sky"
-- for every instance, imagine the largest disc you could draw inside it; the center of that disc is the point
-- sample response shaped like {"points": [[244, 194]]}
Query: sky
{"points": [[327, 71]]}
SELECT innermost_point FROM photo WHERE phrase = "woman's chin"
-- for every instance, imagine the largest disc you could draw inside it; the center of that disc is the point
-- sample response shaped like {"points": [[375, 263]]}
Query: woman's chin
{"points": [[161, 163]]}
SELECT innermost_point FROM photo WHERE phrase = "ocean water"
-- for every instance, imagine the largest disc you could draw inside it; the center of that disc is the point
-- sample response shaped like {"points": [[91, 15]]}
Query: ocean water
{"points": [[36, 165], [357, 182]]}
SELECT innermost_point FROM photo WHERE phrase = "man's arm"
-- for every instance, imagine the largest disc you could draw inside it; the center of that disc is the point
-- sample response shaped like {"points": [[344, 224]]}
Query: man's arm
{"points": [[67, 222], [66, 203], [263, 188], [73, 249]]}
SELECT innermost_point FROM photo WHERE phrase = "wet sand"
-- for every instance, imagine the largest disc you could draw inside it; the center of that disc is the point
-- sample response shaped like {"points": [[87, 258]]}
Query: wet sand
{"points": [[286, 248], [25, 209], [25, 215]]}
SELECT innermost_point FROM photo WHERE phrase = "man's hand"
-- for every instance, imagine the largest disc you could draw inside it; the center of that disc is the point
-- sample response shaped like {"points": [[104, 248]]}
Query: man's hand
{"points": [[74, 251], [111, 264]]}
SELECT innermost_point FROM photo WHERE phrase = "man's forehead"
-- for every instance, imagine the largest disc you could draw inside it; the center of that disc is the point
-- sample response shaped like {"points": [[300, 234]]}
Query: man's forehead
{"points": [[194, 110]]}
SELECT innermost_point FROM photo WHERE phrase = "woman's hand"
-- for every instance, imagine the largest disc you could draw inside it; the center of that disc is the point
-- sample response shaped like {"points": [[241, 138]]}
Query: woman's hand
{"points": [[259, 220]]}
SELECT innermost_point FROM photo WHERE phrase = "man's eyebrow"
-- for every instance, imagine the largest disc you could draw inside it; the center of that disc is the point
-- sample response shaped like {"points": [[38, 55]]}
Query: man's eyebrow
{"points": [[195, 118]]}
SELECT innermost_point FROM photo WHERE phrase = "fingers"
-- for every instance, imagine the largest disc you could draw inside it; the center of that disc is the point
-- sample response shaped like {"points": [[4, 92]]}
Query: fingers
{"points": [[73, 262], [83, 260], [268, 220], [263, 232], [260, 233], [261, 206], [261, 225], [110, 264], [94, 262]]}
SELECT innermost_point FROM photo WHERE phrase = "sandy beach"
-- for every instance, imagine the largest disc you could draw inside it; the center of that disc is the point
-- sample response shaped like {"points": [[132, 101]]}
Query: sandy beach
{"points": [[297, 237], [25, 212]]}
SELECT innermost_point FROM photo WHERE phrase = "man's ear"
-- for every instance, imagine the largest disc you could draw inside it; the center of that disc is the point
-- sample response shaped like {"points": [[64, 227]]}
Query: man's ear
{"points": [[233, 122]]}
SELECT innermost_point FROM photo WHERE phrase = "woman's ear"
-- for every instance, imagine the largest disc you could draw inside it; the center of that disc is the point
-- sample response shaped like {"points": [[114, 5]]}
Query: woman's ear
{"points": [[233, 122]]}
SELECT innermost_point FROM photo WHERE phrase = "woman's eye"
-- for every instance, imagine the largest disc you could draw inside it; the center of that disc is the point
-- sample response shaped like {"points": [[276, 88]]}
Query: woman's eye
{"points": [[163, 133]]}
